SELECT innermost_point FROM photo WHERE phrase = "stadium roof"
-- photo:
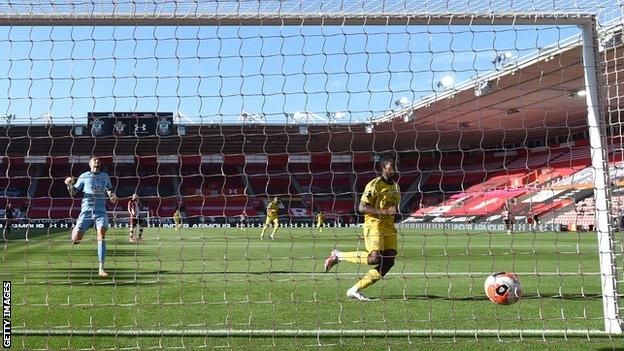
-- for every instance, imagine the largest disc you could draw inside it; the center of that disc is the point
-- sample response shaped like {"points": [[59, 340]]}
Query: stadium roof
{"points": [[530, 99], [526, 101], [536, 100]]}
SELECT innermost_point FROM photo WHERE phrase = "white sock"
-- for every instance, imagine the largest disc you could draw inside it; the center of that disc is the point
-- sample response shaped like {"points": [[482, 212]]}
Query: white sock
{"points": [[101, 266]]}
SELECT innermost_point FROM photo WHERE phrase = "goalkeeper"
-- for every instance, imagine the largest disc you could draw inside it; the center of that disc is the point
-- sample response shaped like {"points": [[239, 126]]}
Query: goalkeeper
{"points": [[271, 217], [95, 186], [320, 221], [379, 204], [177, 220]]}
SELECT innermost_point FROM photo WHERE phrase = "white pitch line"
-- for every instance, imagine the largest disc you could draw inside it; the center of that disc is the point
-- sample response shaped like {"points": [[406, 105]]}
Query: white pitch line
{"points": [[319, 332], [332, 275], [283, 241]]}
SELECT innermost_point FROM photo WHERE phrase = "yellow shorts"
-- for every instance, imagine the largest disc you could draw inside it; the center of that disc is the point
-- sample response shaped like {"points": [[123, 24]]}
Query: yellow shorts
{"points": [[177, 221], [270, 220], [380, 239]]}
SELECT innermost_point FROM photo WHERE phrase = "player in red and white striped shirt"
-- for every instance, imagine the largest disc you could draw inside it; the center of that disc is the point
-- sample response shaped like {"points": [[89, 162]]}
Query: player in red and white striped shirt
{"points": [[133, 210]]}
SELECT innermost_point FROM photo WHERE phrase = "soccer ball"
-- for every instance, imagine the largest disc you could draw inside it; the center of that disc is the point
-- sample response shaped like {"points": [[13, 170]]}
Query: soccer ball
{"points": [[503, 288]]}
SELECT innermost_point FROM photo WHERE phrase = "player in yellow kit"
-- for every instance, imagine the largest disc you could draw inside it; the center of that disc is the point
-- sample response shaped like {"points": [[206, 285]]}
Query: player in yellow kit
{"points": [[272, 211], [177, 220], [320, 221], [379, 203]]}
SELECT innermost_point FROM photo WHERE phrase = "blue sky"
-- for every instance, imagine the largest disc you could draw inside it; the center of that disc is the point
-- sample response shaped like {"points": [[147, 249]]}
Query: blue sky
{"points": [[214, 73]]}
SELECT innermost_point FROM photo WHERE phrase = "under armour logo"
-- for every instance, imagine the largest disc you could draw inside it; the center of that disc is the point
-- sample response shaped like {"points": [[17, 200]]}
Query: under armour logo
{"points": [[140, 127]]}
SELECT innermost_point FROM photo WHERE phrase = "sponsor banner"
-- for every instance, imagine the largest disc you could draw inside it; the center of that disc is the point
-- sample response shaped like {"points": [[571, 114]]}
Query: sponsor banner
{"points": [[488, 227]]}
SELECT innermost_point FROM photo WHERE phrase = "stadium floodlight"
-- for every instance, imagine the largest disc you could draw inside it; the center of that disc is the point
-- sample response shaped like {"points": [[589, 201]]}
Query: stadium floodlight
{"points": [[246, 118], [502, 58], [409, 117], [446, 82], [180, 117], [611, 40], [303, 129], [307, 117], [8, 118], [300, 117], [334, 117], [580, 92], [402, 102], [368, 129], [47, 116], [181, 130], [79, 130], [462, 125], [483, 88]]}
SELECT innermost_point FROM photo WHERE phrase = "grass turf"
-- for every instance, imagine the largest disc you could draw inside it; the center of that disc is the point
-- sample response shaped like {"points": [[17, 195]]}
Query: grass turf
{"points": [[218, 278]]}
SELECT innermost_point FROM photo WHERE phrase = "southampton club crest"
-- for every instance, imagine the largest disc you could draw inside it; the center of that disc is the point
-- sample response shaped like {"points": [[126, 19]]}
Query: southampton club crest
{"points": [[164, 126], [97, 126], [119, 128]]}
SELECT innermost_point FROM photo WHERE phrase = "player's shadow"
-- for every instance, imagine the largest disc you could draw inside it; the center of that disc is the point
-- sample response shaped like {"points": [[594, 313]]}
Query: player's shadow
{"points": [[433, 297], [84, 275], [245, 272], [165, 272], [36, 235], [89, 276], [130, 276], [480, 298], [110, 253], [126, 253]]}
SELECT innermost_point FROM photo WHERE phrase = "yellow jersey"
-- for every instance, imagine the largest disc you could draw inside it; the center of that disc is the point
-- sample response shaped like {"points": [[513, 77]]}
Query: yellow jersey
{"points": [[272, 209], [381, 196], [320, 217], [177, 216]]}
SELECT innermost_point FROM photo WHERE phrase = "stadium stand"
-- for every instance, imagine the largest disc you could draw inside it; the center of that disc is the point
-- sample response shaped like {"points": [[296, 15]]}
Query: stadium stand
{"points": [[551, 181]]}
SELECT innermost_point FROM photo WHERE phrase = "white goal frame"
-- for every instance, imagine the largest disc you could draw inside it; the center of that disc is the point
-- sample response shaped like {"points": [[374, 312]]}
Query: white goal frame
{"points": [[587, 22]]}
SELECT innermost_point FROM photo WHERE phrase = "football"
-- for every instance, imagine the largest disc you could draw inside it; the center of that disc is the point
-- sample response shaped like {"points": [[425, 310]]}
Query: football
{"points": [[503, 288]]}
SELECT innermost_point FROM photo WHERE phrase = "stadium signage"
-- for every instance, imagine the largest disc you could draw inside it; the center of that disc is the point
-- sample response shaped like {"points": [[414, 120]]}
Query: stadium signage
{"points": [[130, 124], [28, 225], [520, 227]]}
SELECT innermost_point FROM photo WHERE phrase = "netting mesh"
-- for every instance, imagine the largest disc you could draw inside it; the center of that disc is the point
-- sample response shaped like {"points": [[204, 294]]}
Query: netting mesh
{"points": [[209, 112]]}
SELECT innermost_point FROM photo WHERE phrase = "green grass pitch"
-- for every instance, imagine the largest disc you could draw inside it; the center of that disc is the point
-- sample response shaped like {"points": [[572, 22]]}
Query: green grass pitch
{"points": [[226, 278]]}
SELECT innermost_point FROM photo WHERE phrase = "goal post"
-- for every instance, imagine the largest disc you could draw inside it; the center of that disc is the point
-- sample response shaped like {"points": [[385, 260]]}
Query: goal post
{"points": [[597, 138], [284, 114]]}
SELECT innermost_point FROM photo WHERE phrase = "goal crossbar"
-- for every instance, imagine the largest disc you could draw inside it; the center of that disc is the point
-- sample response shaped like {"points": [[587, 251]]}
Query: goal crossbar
{"points": [[297, 19]]}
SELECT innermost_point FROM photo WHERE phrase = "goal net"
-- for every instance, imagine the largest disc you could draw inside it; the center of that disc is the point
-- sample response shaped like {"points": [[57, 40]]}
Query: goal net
{"points": [[256, 136], [124, 218]]}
